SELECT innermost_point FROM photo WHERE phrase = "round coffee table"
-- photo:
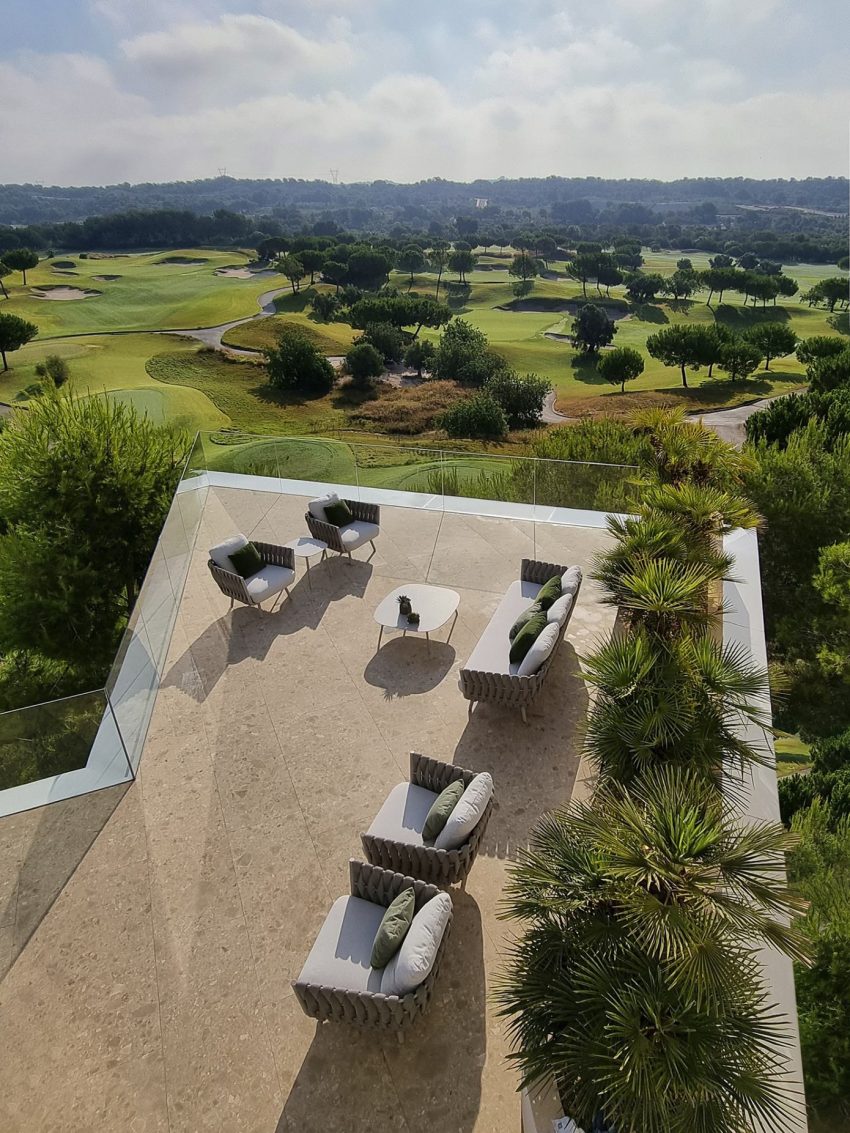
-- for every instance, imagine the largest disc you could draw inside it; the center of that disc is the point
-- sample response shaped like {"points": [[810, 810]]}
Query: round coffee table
{"points": [[304, 547], [434, 605]]}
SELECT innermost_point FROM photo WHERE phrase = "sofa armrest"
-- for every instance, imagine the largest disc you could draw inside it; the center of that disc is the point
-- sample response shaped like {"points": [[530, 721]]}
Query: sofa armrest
{"points": [[382, 886], [534, 571], [321, 529], [277, 556], [230, 583], [368, 513], [434, 775]]}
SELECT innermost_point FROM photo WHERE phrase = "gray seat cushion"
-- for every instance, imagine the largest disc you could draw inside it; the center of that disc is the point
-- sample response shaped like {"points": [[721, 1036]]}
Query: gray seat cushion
{"points": [[270, 580], [221, 553], [342, 952], [358, 532], [492, 653], [402, 817]]}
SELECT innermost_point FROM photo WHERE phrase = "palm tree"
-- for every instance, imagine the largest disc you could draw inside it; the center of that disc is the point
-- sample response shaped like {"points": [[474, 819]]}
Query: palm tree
{"points": [[665, 596], [703, 510], [689, 451], [634, 981], [679, 701]]}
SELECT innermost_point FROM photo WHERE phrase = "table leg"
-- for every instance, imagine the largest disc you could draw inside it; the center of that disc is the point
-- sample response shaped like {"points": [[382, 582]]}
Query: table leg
{"points": [[451, 631], [380, 636], [428, 639], [309, 579]]}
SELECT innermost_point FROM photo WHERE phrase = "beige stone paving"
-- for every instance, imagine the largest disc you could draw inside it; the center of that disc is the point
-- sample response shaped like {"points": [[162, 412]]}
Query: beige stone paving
{"points": [[153, 931]]}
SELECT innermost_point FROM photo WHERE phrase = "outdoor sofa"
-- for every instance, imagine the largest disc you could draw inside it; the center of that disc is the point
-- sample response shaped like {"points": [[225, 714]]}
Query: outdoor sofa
{"points": [[489, 675]]}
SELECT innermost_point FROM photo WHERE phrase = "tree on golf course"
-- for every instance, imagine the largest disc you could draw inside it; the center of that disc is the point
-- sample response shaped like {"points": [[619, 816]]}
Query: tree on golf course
{"points": [[419, 354], [4, 271], [620, 365], [461, 260], [739, 358], [15, 332], [292, 267], [676, 346], [774, 340], [592, 329], [21, 259], [523, 267], [295, 363], [363, 362], [312, 260], [411, 259], [438, 256]]}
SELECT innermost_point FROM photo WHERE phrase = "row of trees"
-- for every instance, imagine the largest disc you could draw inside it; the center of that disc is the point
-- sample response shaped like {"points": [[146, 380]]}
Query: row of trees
{"points": [[635, 981]]}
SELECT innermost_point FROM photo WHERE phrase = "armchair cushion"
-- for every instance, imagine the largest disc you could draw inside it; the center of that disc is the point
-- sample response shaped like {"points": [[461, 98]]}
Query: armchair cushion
{"points": [[442, 807], [358, 532], [247, 560], [549, 592], [342, 953], [317, 507], [402, 817], [540, 649], [558, 611], [526, 636], [393, 927], [570, 580], [525, 616], [270, 580], [220, 554], [467, 814], [414, 960], [338, 513]]}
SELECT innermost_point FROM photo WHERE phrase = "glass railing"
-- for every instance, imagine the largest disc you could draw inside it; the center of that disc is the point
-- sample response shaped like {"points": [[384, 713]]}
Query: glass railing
{"points": [[63, 748], [441, 477], [68, 747]]}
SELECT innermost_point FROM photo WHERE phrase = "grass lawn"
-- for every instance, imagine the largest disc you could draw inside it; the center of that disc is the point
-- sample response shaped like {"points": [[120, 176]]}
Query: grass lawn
{"points": [[792, 754], [260, 334], [148, 295]]}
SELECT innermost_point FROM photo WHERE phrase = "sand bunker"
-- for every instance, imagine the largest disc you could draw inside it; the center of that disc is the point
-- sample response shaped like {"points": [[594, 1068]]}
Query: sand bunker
{"points": [[106, 278], [64, 264], [59, 271], [181, 260], [243, 273], [62, 293], [614, 311]]}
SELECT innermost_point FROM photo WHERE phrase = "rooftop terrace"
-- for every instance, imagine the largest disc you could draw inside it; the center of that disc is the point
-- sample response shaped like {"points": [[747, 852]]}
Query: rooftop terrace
{"points": [[150, 930]]}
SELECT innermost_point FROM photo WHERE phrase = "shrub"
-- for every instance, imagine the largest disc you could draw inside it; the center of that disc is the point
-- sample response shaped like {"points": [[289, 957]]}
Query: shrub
{"points": [[463, 355], [364, 362], [478, 416], [520, 396], [419, 354], [55, 368], [387, 340], [325, 306], [829, 371], [620, 365], [296, 364]]}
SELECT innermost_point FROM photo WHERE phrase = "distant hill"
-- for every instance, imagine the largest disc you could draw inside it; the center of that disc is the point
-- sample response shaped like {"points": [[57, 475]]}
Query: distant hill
{"points": [[567, 199]]}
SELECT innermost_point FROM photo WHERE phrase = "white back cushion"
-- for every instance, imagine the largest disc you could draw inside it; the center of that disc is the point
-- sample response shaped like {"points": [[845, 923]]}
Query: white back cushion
{"points": [[220, 555], [570, 580], [316, 508], [414, 960], [559, 609], [540, 649], [466, 814]]}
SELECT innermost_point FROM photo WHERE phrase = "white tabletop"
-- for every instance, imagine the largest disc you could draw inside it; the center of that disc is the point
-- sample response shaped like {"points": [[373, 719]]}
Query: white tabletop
{"points": [[434, 605], [305, 546]]}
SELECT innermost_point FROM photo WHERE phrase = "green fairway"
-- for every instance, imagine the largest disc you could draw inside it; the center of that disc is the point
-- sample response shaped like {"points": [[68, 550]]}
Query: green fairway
{"points": [[149, 294], [261, 334]]}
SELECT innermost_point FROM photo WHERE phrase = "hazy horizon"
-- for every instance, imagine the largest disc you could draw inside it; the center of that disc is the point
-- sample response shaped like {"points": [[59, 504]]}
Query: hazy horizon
{"points": [[105, 91]]}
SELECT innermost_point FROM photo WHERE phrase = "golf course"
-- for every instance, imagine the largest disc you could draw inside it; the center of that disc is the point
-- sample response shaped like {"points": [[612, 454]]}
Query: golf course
{"points": [[113, 318]]}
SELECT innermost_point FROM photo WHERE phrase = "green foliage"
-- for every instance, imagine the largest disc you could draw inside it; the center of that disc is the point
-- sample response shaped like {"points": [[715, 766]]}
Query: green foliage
{"points": [[325, 306], [85, 486], [523, 267], [740, 357], [363, 362], [828, 780], [411, 259], [463, 355], [21, 259], [368, 268], [521, 396], [15, 332], [592, 329], [477, 416], [773, 340], [620, 365], [296, 364], [819, 346], [54, 367], [784, 415], [830, 371], [419, 354], [679, 345], [292, 267], [387, 340], [681, 284], [462, 261], [643, 287], [630, 958]]}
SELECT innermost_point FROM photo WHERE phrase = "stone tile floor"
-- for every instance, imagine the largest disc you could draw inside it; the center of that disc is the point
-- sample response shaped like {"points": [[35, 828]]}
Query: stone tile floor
{"points": [[149, 933]]}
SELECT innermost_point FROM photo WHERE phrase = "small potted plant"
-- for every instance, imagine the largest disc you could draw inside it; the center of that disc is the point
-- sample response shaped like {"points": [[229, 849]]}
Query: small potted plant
{"points": [[404, 606], [413, 618]]}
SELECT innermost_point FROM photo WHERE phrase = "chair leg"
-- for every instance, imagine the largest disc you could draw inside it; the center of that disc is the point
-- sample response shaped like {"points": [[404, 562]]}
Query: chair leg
{"points": [[463, 886], [231, 603], [524, 715], [372, 541]]}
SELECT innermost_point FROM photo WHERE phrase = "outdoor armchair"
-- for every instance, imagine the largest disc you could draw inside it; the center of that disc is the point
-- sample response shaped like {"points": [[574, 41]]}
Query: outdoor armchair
{"points": [[277, 574], [363, 528]]}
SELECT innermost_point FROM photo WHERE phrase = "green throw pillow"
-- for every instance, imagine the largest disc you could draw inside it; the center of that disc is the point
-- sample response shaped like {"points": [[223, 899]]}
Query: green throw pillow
{"points": [[526, 636], [533, 609], [393, 928], [442, 807], [338, 513], [247, 560], [549, 592]]}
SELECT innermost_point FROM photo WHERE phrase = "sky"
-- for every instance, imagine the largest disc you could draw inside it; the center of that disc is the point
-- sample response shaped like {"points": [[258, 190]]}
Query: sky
{"points": [[107, 91]]}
